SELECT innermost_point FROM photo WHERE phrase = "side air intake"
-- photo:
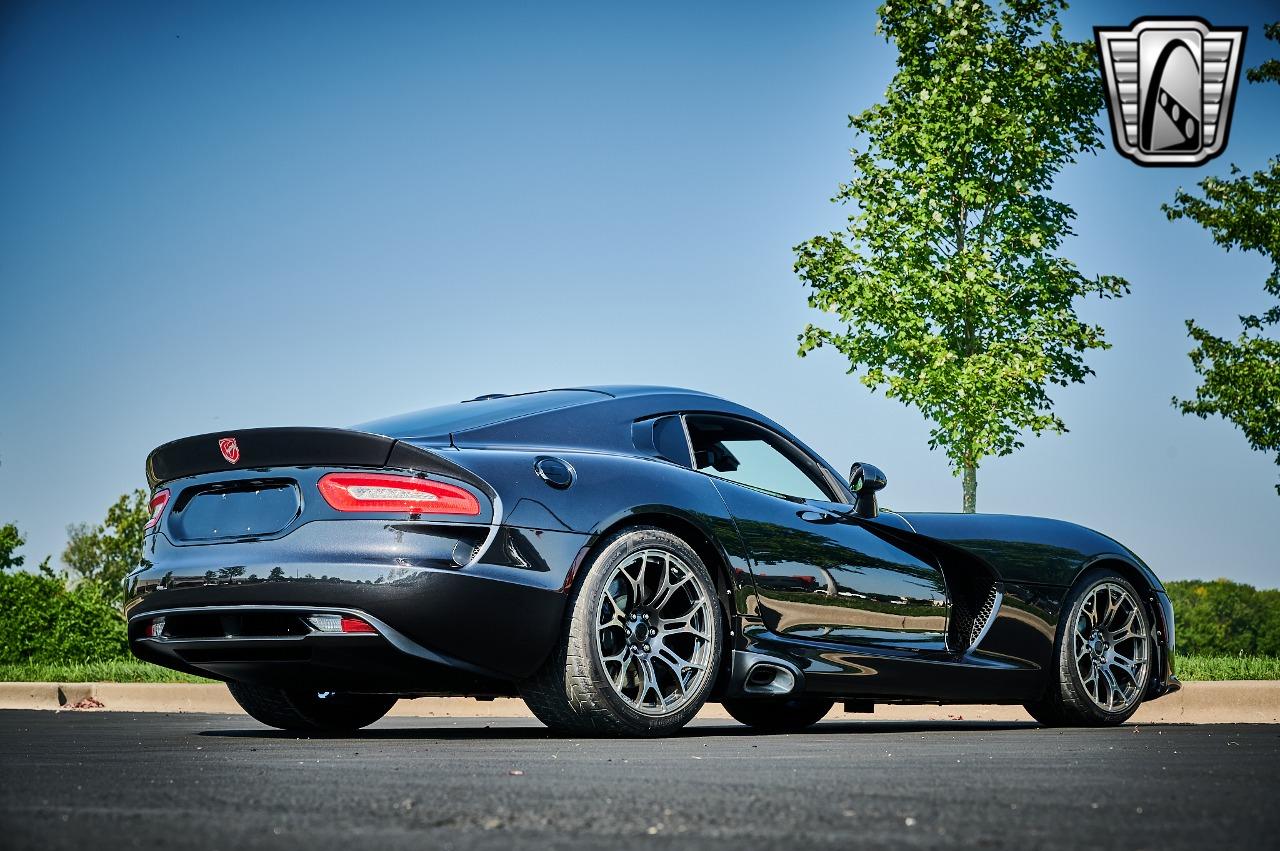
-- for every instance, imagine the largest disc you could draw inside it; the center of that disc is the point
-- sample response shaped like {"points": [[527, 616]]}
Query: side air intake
{"points": [[982, 620], [975, 600]]}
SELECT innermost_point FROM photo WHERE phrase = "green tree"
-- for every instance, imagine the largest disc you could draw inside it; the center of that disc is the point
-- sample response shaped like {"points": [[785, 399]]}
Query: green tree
{"points": [[1240, 378], [1222, 617], [48, 621], [103, 555], [10, 541], [948, 280]]}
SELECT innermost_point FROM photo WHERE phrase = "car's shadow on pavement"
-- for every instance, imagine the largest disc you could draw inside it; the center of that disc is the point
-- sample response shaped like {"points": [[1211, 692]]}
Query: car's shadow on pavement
{"points": [[442, 728]]}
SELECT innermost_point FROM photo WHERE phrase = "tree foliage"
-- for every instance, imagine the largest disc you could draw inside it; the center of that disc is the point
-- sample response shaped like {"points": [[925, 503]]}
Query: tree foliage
{"points": [[10, 541], [948, 280], [1269, 71], [1222, 617], [48, 621], [1240, 378], [103, 555]]}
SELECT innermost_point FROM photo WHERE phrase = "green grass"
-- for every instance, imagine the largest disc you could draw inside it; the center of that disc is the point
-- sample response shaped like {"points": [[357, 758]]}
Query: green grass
{"points": [[113, 671], [1226, 667], [135, 671]]}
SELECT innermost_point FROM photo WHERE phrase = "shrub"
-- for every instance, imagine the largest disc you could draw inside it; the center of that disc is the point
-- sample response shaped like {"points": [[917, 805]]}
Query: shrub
{"points": [[1225, 618], [103, 555], [46, 622]]}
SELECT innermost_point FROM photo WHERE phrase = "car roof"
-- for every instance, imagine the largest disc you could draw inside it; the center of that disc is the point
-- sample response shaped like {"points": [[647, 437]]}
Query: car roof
{"points": [[595, 417], [591, 417], [619, 391]]}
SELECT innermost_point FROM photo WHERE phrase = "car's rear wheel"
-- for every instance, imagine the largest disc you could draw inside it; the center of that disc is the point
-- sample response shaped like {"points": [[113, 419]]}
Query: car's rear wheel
{"points": [[778, 714], [1102, 655], [310, 711], [642, 641]]}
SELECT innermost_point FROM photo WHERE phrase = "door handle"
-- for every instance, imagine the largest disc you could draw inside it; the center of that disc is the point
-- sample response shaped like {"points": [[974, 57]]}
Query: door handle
{"points": [[813, 515]]}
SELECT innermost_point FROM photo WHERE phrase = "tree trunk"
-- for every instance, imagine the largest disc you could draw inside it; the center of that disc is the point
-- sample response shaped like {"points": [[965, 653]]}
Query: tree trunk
{"points": [[970, 489]]}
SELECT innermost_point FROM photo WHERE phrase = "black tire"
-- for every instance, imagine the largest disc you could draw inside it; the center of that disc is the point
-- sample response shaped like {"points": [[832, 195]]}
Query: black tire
{"points": [[306, 711], [778, 715], [572, 692], [1069, 701]]}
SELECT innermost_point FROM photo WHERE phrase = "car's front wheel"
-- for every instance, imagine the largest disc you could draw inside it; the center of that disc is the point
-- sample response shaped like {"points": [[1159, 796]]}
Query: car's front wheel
{"points": [[1102, 655], [310, 711], [642, 640]]}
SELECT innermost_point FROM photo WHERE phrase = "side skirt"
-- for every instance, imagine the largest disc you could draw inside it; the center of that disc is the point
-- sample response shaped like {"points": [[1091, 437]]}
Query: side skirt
{"points": [[843, 671]]}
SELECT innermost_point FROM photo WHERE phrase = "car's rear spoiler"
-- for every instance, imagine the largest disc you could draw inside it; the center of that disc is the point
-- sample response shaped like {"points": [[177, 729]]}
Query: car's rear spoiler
{"points": [[259, 448]]}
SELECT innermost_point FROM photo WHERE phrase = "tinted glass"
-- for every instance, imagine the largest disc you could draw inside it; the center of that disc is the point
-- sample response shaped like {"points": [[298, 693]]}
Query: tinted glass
{"points": [[462, 416], [749, 455], [668, 437]]}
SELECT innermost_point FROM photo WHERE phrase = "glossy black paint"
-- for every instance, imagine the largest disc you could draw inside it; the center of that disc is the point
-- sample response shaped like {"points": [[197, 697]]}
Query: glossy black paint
{"points": [[863, 604], [819, 575]]}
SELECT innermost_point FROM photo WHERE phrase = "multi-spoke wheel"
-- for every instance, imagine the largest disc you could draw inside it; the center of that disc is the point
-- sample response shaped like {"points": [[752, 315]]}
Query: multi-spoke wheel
{"points": [[642, 641], [1109, 640], [653, 633], [1103, 655]]}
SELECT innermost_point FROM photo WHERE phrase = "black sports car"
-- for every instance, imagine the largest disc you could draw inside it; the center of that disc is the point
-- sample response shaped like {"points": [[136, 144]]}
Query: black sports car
{"points": [[616, 556]]}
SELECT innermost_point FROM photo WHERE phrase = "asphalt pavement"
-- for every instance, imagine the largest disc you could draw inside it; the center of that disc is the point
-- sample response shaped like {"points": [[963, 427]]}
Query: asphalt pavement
{"points": [[88, 780]]}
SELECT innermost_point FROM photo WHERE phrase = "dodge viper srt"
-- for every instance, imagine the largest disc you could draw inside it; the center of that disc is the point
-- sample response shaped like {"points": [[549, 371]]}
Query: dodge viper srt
{"points": [[616, 556]]}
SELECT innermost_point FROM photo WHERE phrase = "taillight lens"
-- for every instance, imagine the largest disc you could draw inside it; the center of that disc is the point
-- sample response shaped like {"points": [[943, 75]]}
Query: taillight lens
{"points": [[386, 493], [158, 502], [345, 624]]}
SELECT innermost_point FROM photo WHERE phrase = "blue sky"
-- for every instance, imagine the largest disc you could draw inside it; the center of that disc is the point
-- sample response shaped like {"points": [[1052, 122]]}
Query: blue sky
{"points": [[217, 216]]}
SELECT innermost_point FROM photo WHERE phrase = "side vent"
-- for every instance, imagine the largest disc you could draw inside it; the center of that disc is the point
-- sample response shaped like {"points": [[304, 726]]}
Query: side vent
{"points": [[982, 619], [975, 599]]}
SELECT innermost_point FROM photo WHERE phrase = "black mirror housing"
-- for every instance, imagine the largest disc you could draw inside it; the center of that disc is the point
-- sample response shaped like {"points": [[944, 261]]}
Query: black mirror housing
{"points": [[865, 480]]}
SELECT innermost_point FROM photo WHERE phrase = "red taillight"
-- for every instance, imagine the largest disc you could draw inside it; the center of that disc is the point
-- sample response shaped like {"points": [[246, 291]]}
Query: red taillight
{"points": [[331, 624], [158, 502], [353, 624], [381, 492]]}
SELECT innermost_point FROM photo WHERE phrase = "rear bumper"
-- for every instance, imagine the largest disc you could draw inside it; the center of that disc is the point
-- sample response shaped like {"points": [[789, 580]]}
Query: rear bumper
{"points": [[385, 661], [442, 628]]}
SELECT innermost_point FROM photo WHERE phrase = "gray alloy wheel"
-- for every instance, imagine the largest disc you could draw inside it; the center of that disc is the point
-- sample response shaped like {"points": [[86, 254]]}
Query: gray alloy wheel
{"points": [[642, 642], [1103, 655], [1110, 646], [653, 632], [308, 710]]}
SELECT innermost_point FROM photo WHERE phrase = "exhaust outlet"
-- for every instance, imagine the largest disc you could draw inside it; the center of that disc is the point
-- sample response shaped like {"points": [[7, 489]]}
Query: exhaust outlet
{"points": [[767, 678], [763, 675]]}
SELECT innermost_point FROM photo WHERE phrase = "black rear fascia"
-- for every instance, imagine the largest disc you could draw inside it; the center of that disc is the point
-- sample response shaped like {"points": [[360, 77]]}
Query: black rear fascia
{"points": [[310, 506]]}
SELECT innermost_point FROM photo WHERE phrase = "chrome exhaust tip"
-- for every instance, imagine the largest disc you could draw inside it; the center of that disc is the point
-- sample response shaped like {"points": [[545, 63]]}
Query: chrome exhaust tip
{"points": [[767, 678]]}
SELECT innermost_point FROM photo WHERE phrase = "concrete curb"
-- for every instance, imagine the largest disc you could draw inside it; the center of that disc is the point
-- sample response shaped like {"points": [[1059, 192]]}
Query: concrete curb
{"points": [[1234, 702]]}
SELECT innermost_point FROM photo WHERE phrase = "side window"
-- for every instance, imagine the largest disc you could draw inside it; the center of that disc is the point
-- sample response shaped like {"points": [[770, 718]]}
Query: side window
{"points": [[662, 436], [669, 439], [750, 455]]}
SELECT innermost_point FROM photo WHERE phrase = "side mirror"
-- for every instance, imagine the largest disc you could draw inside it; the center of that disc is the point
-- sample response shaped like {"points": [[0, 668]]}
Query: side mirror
{"points": [[864, 480]]}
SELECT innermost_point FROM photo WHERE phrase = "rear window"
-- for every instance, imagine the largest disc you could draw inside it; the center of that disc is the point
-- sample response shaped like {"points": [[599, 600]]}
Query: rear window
{"points": [[464, 416]]}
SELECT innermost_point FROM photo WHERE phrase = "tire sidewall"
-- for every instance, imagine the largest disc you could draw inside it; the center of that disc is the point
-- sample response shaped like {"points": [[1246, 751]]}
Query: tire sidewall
{"points": [[1068, 671], [585, 606]]}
